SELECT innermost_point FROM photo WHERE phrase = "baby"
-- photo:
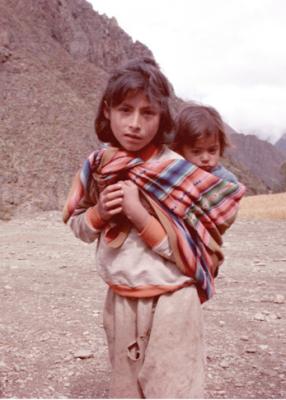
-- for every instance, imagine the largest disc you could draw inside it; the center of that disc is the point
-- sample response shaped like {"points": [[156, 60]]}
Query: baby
{"points": [[200, 138]]}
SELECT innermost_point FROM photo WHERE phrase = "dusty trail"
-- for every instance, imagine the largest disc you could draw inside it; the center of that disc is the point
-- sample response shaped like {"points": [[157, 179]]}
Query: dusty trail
{"points": [[51, 336]]}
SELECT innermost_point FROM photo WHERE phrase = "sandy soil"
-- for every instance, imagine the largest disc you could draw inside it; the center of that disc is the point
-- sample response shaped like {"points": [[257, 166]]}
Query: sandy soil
{"points": [[51, 336]]}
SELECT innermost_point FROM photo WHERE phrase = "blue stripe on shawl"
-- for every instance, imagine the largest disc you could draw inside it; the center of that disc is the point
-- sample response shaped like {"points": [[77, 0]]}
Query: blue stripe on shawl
{"points": [[173, 175], [85, 174]]}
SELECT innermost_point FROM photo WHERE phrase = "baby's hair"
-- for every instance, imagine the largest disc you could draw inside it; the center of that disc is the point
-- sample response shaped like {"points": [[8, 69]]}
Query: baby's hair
{"points": [[195, 121], [142, 74]]}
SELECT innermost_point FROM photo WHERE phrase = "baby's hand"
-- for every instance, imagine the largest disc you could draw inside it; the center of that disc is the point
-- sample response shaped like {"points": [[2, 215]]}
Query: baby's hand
{"points": [[110, 201], [132, 206]]}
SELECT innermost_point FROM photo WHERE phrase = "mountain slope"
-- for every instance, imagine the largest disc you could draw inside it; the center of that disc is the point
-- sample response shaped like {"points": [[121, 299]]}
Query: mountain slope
{"points": [[281, 144], [50, 91], [55, 57], [258, 156]]}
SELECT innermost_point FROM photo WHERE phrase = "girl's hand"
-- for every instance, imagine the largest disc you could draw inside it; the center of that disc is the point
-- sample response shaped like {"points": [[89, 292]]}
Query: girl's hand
{"points": [[110, 201], [132, 206]]}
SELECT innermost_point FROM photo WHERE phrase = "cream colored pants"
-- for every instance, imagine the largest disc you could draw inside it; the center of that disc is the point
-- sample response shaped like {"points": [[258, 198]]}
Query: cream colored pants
{"points": [[155, 345]]}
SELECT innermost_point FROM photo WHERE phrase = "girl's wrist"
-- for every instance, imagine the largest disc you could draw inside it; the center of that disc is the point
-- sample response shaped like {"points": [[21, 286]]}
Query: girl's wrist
{"points": [[138, 217]]}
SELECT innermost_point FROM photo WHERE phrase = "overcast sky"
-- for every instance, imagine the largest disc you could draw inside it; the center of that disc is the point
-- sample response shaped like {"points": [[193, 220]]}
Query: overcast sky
{"points": [[230, 54]]}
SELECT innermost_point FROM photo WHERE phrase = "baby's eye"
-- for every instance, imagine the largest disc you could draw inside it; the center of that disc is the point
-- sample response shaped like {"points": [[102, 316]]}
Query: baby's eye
{"points": [[213, 150]]}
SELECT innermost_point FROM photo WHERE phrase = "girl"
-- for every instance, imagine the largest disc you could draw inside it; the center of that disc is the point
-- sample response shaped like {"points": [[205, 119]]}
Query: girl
{"points": [[141, 201]]}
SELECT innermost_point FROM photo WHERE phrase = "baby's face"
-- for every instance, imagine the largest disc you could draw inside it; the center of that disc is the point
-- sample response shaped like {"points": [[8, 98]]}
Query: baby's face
{"points": [[205, 152]]}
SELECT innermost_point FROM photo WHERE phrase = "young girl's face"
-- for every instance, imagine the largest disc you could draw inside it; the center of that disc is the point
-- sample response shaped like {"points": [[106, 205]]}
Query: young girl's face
{"points": [[134, 122], [204, 153]]}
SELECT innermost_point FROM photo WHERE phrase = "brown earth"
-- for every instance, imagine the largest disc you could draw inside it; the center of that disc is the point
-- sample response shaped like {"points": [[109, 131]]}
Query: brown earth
{"points": [[51, 335]]}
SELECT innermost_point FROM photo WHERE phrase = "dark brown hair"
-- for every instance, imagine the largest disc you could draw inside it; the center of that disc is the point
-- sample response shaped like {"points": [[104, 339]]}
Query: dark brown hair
{"points": [[142, 74], [195, 121]]}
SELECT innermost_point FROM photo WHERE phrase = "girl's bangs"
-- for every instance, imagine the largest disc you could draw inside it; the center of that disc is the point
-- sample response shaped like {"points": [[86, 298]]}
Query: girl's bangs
{"points": [[132, 87]]}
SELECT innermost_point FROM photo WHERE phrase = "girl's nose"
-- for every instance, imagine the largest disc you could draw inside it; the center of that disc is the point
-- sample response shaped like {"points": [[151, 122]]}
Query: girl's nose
{"points": [[134, 121]]}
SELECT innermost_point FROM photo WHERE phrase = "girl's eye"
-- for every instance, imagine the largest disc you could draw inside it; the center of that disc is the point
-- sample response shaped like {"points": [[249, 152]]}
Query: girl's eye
{"points": [[124, 109], [149, 112]]}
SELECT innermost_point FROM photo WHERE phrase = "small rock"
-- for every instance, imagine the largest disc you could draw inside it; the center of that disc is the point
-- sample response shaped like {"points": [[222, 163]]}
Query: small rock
{"points": [[18, 368], [272, 317], [250, 350], [44, 337], [244, 338], [259, 317], [83, 354], [221, 323], [259, 263], [279, 299], [261, 283], [224, 364], [263, 346]]}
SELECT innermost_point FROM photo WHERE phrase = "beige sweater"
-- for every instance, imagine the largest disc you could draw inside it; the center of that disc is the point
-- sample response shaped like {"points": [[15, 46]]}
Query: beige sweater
{"points": [[143, 266]]}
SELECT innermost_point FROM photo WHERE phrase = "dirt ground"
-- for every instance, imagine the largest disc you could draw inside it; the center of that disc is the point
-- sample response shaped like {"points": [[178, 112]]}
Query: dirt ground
{"points": [[51, 336]]}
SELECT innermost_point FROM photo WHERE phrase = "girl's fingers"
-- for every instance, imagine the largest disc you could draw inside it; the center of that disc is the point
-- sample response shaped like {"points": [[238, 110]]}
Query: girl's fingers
{"points": [[117, 210], [113, 203], [113, 188], [113, 194]]}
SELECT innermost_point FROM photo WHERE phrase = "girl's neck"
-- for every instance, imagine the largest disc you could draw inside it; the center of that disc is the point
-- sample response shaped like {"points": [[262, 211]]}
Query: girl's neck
{"points": [[149, 151]]}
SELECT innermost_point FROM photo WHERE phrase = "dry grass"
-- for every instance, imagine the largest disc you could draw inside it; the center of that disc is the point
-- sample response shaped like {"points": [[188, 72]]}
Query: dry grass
{"points": [[266, 206]]}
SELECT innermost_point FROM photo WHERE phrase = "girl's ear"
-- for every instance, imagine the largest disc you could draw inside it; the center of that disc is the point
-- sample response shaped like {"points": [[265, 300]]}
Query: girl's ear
{"points": [[106, 112]]}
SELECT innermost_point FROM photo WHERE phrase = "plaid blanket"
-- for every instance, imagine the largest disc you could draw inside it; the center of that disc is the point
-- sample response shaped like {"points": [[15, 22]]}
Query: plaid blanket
{"points": [[194, 206]]}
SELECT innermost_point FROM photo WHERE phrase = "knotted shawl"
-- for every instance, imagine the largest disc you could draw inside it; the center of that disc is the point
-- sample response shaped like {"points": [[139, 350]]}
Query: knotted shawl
{"points": [[194, 206]]}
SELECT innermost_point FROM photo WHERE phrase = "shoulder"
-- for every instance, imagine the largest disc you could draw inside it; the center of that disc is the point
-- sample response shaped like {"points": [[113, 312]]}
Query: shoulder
{"points": [[223, 173], [168, 154]]}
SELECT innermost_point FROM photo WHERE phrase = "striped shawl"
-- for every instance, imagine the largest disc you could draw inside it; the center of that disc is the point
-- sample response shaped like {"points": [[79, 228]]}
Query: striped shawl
{"points": [[194, 207]]}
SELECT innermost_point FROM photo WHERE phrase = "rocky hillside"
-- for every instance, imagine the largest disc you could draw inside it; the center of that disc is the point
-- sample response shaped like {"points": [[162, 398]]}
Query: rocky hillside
{"points": [[259, 157], [54, 61], [55, 56], [281, 144]]}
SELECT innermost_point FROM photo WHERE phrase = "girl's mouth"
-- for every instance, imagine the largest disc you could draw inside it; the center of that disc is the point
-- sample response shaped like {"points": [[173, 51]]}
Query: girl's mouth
{"points": [[132, 137]]}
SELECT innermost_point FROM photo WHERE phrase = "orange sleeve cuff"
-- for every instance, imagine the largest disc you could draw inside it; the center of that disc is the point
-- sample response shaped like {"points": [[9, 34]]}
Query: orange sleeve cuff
{"points": [[153, 233], [94, 219]]}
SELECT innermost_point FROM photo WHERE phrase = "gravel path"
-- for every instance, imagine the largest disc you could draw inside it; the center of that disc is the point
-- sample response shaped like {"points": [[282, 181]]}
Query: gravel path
{"points": [[51, 335]]}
